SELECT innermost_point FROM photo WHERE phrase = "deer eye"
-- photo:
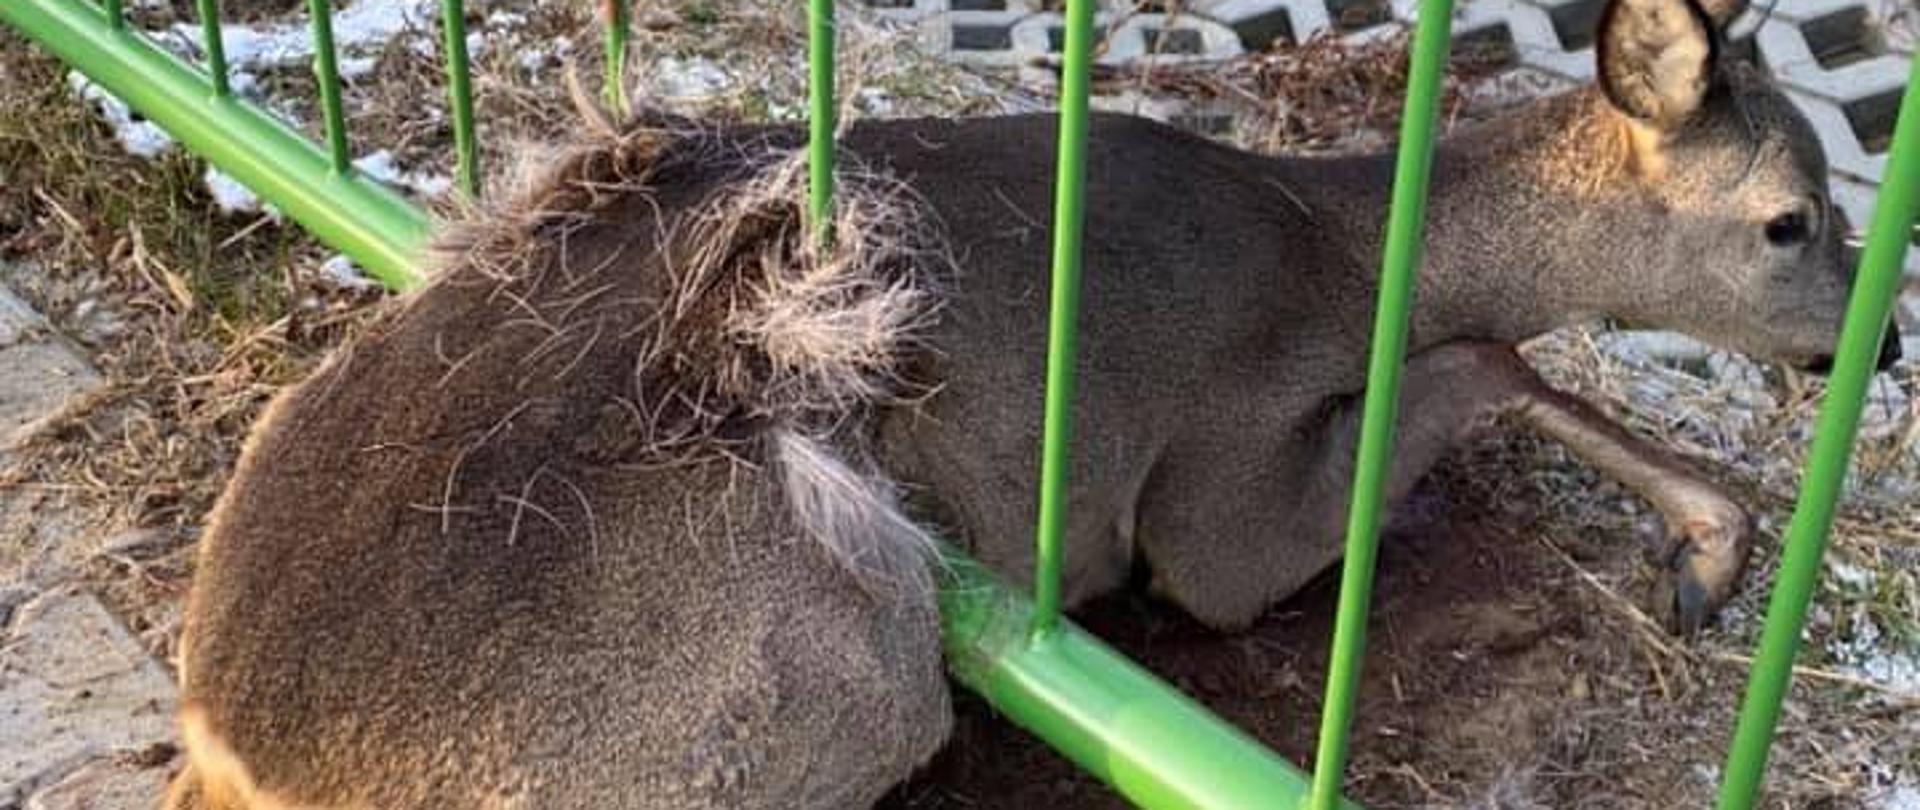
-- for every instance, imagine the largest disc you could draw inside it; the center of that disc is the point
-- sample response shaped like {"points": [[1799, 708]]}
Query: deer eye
{"points": [[1789, 229]]}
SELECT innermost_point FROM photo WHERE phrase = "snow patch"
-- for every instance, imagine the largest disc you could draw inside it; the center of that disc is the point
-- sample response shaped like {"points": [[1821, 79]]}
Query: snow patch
{"points": [[363, 25], [380, 166], [342, 271], [1901, 797], [141, 138], [233, 198], [229, 194], [695, 79]]}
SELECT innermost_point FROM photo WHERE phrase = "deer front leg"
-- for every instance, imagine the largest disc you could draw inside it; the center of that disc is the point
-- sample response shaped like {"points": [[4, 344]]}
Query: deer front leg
{"points": [[1708, 536]]}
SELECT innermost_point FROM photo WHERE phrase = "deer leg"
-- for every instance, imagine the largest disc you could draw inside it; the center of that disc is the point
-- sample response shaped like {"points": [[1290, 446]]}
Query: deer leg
{"points": [[1231, 521], [1708, 536]]}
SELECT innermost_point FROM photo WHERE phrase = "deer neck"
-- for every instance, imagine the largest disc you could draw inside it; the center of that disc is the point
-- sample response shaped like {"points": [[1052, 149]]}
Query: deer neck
{"points": [[1529, 225]]}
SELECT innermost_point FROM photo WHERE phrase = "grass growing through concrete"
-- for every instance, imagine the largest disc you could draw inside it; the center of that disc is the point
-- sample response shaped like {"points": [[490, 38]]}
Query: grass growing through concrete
{"points": [[195, 318]]}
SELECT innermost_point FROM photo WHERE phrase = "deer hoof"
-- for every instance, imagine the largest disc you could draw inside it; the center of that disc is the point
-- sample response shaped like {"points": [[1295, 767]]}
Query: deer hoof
{"points": [[1701, 569]]}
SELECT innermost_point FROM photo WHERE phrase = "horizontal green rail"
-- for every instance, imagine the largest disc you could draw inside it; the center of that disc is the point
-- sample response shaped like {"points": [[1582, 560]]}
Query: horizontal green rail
{"points": [[1141, 736], [362, 219]]}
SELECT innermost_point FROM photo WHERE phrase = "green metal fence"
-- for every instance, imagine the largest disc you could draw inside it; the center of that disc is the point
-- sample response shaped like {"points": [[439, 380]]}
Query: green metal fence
{"points": [[1152, 744]]}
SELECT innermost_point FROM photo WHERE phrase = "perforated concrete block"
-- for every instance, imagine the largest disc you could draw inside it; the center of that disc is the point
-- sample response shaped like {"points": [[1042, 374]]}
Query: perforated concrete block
{"points": [[1041, 35], [1160, 39], [1260, 23], [1536, 39], [1357, 20], [980, 38], [904, 10], [1840, 70], [1834, 57]]}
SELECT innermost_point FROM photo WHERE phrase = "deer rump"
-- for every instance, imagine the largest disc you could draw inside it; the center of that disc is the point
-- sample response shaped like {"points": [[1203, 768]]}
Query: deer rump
{"points": [[591, 519]]}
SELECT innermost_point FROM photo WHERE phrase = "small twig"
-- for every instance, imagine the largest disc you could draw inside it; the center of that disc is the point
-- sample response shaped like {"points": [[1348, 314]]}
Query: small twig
{"points": [[1899, 696], [1652, 628]]}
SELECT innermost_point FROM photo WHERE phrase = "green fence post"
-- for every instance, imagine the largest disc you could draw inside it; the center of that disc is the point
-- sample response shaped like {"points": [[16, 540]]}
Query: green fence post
{"points": [[1400, 262], [213, 42], [613, 43], [453, 24], [1063, 311], [327, 72], [820, 117], [1874, 289]]}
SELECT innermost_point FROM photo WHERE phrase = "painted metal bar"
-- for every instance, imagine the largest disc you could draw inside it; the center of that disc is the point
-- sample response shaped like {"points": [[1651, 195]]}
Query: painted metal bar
{"points": [[820, 117], [1874, 289], [1400, 262], [1069, 215], [453, 24], [1146, 740], [116, 15], [614, 18], [326, 71], [213, 41], [358, 218]]}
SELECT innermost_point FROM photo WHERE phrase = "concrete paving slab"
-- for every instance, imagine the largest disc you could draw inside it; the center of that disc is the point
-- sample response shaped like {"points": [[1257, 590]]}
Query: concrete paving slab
{"points": [[75, 687]]}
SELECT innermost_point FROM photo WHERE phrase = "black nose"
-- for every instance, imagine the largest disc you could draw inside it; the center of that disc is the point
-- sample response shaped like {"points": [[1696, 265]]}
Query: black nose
{"points": [[1889, 348], [1890, 353]]}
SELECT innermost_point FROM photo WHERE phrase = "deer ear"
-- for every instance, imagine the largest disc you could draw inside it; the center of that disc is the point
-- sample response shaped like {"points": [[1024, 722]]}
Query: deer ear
{"points": [[1656, 58]]}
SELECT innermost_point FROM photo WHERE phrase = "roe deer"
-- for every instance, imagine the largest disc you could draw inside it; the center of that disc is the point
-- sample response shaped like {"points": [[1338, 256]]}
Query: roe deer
{"points": [[631, 506]]}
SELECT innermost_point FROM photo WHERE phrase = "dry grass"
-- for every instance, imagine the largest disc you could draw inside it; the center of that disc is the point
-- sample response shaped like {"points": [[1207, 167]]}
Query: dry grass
{"points": [[194, 318], [1321, 96]]}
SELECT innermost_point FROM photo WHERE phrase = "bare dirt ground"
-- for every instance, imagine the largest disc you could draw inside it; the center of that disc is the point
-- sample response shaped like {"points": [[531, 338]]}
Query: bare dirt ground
{"points": [[1499, 675], [1510, 666]]}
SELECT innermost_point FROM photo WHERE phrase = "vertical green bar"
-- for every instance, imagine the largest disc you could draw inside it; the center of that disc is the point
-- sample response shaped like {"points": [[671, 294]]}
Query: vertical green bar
{"points": [[613, 43], [820, 116], [1405, 226], [453, 24], [1068, 217], [1874, 289], [213, 42], [116, 16], [327, 72]]}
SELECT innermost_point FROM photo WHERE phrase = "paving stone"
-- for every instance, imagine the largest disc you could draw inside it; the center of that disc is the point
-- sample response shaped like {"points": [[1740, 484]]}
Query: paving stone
{"points": [[39, 372], [75, 687], [121, 783]]}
